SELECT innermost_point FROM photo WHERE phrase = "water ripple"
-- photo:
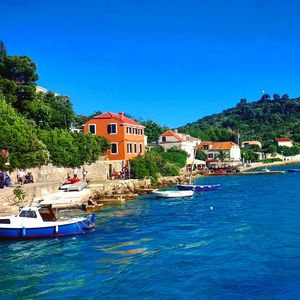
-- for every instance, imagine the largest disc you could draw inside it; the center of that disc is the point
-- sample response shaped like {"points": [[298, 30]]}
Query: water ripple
{"points": [[240, 242]]}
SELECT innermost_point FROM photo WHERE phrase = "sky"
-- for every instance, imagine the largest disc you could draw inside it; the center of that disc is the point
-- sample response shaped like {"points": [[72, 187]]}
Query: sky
{"points": [[172, 62]]}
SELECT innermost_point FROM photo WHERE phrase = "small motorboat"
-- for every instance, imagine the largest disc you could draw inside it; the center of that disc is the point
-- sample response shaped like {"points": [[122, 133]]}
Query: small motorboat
{"points": [[76, 186], [40, 221], [173, 194], [198, 188], [294, 170]]}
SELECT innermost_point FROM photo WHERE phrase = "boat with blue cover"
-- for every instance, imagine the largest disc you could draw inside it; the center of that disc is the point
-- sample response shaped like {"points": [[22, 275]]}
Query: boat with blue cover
{"points": [[294, 170], [198, 188], [40, 222]]}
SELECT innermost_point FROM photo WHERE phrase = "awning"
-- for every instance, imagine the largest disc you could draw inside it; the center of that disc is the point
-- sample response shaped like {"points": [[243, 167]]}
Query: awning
{"points": [[189, 161]]}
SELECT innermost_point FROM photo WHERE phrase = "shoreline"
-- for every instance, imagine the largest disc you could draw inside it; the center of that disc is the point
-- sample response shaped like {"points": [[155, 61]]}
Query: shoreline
{"points": [[274, 164], [106, 192]]}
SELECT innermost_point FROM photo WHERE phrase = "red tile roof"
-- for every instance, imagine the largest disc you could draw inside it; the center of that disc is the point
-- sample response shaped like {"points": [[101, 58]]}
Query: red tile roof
{"points": [[283, 140], [215, 146], [222, 145], [172, 133], [119, 117], [204, 143]]}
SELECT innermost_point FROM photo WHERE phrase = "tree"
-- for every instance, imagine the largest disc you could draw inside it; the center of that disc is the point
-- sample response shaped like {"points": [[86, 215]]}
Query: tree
{"points": [[265, 97], [17, 80], [3, 54], [249, 155], [272, 149], [20, 138], [285, 97], [153, 130], [242, 102], [62, 110], [73, 149], [200, 154], [276, 97], [223, 155], [176, 156]]}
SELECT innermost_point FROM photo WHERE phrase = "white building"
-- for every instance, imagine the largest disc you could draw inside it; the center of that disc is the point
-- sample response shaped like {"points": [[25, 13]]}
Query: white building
{"points": [[212, 150], [285, 142], [251, 143], [170, 139]]}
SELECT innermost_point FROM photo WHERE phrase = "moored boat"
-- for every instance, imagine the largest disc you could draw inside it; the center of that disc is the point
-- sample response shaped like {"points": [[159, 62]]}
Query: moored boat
{"points": [[40, 221], [173, 194], [198, 188], [294, 170]]}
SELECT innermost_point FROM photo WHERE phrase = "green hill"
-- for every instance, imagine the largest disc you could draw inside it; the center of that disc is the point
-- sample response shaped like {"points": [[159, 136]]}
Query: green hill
{"points": [[263, 120]]}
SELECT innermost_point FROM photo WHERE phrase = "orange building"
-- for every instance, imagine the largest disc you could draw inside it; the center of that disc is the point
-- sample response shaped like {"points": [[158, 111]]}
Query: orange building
{"points": [[126, 135]]}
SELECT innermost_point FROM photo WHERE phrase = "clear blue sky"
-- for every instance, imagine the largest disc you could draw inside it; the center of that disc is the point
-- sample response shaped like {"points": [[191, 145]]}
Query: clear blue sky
{"points": [[169, 61]]}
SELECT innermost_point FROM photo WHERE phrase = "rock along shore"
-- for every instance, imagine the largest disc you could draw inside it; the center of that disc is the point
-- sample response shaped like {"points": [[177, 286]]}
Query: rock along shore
{"points": [[106, 192]]}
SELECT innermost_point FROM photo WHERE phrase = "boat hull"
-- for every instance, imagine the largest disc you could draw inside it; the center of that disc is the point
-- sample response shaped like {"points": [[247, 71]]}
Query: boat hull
{"points": [[198, 188], [294, 170], [75, 228], [173, 194]]}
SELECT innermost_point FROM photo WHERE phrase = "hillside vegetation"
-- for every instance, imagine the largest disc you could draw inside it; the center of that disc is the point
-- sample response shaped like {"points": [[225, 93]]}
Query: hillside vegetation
{"points": [[34, 126], [263, 120]]}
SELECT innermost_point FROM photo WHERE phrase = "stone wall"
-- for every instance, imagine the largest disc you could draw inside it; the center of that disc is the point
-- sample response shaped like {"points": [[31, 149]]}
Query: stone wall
{"points": [[96, 171], [132, 186]]}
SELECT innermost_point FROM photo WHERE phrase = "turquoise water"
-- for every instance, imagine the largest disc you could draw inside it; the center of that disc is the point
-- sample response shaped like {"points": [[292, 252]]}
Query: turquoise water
{"points": [[242, 242]]}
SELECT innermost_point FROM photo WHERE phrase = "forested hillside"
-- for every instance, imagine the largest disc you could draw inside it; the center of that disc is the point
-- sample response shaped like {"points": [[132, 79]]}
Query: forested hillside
{"points": [[263, 120]]}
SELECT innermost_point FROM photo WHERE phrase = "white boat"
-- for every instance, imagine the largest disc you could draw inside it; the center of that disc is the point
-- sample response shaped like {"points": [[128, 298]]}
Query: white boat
{"points": [[173, 194], [35, 222]]}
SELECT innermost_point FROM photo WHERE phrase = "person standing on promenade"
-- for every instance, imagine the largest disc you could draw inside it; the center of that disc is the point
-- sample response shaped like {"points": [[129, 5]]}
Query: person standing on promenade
{"points": [[75, 172], [84, 174], [21, 177]]}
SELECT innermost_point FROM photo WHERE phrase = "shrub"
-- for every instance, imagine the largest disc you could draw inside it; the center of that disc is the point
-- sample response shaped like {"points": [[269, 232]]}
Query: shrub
{"points": [[270, 160], [158, 162], [170, 169]]}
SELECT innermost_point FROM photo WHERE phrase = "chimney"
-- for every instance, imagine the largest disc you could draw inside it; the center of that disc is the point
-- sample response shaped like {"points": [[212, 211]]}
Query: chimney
{"points": [[121, 114]]}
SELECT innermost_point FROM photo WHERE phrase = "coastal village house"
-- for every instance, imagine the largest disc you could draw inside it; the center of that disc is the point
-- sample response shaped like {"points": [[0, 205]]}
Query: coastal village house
{"points": [[212, 150], [126, 135], [170, 139], [248, 144], [285, 142]]}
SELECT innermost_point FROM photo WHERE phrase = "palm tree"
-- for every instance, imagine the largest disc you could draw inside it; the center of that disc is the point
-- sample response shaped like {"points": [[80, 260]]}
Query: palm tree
{"points": [[223, 155]]}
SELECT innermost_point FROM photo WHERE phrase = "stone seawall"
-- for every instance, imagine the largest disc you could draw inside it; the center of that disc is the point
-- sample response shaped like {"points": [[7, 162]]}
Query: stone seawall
{"points": [[127, 188], [96, 171]]}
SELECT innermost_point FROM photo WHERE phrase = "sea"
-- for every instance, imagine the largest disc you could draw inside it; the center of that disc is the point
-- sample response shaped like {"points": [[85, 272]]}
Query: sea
{"points": [[241, 242]]}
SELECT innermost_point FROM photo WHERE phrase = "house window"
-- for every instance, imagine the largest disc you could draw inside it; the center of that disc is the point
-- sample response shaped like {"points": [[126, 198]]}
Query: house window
{"points": [[112, 128], [114, 148], [210, 155], [163, 139], [140, 131], [92, 128], [128, 130], [135, 148], [129, 148], [141, 148]]}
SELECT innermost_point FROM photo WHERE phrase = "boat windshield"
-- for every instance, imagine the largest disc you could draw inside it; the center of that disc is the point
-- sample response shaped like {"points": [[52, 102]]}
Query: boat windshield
{"points": [[27, 214]]}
